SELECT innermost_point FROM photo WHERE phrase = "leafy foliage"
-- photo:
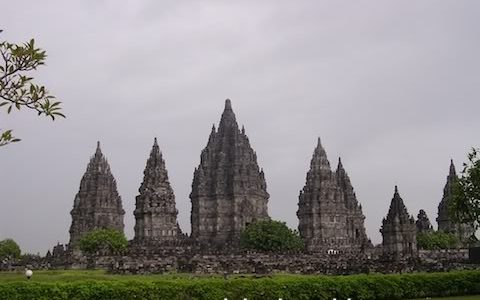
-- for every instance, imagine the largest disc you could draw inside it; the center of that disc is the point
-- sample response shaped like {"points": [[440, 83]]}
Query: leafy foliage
{"points": [[110, 240], [465, 204], [361, 287], [270, 235], [16, 87], [9, 250], [437, 240]]}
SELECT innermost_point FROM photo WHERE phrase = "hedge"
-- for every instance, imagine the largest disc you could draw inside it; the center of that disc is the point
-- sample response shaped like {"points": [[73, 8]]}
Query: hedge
{"points": [[361, 287]]}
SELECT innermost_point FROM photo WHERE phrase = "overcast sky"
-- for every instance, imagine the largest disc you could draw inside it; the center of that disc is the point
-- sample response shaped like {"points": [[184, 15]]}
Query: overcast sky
{"points": [[390, 86]]}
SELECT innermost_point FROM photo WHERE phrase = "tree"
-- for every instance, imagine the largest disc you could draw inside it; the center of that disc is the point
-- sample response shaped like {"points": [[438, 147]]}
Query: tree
{"points": [[9, 250], [437, 240], [270, 235], [16, 87], [465, 204], [110, 240]]}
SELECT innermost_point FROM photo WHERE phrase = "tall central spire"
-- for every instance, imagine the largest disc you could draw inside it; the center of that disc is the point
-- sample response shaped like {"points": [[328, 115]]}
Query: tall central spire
{"points": [[228, 189]]}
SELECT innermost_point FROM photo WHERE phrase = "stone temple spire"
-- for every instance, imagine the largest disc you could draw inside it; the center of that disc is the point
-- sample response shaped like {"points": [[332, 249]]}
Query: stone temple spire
{"points": [[97, 203], [328, 211], [319, 163], [423, 223], [452, 169], [355, 220], [155, 212], [445, 222], [399, 230], [228, 189]]}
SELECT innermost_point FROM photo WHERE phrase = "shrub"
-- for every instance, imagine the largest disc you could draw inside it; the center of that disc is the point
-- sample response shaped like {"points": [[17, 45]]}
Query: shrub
{"points": [[437, 240], [270, 235], [103, 239], [359, 287]]}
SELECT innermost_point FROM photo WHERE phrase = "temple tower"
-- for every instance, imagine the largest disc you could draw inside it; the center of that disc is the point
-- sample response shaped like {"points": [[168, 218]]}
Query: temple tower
{"points": [[444, 220], [399, 230], [330, 216], [228, 190], [155, 211], [423, 223], [97, 204]]}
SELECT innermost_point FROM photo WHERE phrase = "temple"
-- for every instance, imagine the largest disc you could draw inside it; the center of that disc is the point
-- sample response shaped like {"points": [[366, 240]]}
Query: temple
{"points": [[423, 222], [97, 204], [329, 214], [155, 210], [445, 221], [398, 230], [228, 190]]}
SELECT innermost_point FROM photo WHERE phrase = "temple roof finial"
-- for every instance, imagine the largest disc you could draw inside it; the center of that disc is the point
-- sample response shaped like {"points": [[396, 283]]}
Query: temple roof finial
{"points": [[228, 117], [228, 104], [452, 168], [98, 150], [155, 143], [396, 189]]}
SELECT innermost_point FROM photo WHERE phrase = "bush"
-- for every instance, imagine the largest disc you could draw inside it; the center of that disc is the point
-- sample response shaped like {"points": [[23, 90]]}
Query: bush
{"points": [[110, 240], [359, 287], [437, 240], [270, 235]]}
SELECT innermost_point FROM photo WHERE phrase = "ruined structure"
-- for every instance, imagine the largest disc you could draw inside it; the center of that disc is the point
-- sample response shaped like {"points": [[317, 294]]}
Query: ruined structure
{"points": [[445, 222], [228, 190], [97, 203], [398, 230], [329, 214], [228, 193], [155, 211], [423, 223]]}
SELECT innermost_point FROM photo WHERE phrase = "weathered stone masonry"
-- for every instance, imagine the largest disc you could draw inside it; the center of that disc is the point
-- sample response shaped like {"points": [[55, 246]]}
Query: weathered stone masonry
{"points": [[329, 214], [97, 204], [155, 210], [228, 190]]}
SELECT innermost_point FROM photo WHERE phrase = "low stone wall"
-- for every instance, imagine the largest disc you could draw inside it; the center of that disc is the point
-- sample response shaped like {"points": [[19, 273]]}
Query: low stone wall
{"points": [[260, 263], [190, 261], [457, 255]]}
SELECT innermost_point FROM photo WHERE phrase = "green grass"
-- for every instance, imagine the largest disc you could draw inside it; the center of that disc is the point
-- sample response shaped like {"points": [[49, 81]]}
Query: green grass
{"points": [[81, 275]]}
